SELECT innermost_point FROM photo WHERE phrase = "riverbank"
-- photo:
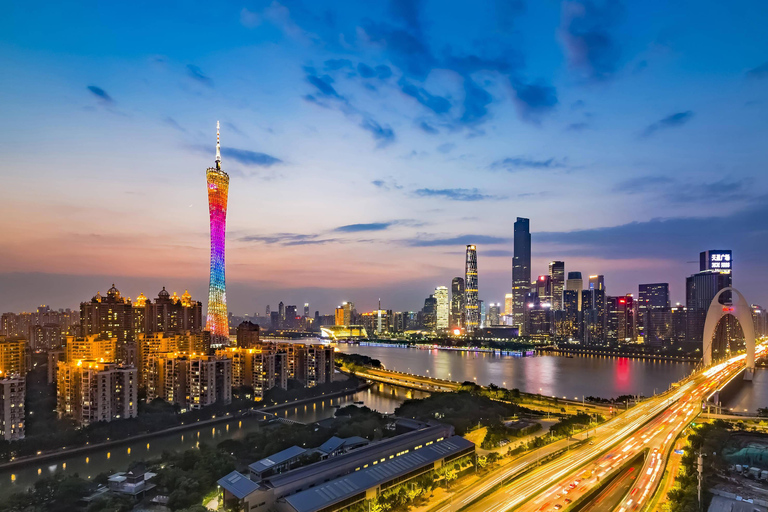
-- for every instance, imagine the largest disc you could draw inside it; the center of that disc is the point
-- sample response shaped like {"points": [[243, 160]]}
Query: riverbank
{"points": [[567, 351], [269, 410]]}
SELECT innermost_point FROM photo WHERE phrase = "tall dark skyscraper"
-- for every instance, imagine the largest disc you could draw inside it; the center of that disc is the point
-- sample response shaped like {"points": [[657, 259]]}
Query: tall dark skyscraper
{"points": [[716, 269], [557, 277], [457, 303], [471, 304], [651, 297], [521, 269]]}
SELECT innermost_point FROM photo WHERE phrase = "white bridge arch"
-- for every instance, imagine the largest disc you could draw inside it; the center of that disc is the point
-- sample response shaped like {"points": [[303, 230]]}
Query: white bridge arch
{"points": [[743, 313]]}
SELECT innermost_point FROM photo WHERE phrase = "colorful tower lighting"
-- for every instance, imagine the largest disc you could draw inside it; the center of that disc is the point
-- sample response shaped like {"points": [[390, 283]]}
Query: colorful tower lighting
{"points": [[218, 188]]}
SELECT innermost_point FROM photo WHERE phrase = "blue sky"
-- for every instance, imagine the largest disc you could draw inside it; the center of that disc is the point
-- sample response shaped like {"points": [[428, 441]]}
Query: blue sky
{"points": [[369, 141]]}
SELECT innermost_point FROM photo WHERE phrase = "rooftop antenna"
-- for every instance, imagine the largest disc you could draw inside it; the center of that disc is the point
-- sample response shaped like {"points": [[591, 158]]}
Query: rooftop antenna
{"points": [[218, 147]]}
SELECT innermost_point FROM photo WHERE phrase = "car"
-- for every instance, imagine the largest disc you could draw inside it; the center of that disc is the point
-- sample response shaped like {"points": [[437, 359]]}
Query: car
{"points": [[558, 506], [567, 500]]}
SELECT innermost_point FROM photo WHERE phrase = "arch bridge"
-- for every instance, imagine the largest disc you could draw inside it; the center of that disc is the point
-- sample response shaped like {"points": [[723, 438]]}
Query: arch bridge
{"points": [[739, 309]]}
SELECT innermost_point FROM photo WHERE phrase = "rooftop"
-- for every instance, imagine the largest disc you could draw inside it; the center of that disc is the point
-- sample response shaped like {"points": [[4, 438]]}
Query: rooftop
{"points": [[317, 498], [238, 484], [278, 458]]}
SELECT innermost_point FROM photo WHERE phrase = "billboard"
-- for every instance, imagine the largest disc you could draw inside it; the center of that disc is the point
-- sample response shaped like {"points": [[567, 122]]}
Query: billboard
{"points": [[720, 261]]}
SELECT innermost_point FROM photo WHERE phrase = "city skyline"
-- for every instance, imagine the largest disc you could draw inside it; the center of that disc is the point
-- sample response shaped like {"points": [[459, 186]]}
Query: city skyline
{"points": [[419, 154]]}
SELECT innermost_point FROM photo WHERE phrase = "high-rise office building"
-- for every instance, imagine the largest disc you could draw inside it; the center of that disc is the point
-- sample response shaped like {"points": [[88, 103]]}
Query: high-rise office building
{"points": [[248, 335], [345, 313], [218, 189], [621, 319], [651, 297], [509, 303], [443, 308], [471, 302], [429, 313], [557, 276], [597, 282], [494, 315], [567, 320], [575, 283], [521, 269], [457, 303], [543, 289], [593, 316], [700, 289]]}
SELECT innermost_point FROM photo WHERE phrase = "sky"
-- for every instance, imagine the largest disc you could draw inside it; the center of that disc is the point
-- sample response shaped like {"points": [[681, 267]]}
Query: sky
{"points": [[369, 142]]}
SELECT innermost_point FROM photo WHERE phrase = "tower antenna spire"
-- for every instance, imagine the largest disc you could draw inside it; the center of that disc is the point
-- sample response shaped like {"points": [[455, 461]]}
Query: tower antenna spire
{"points": [[218, 147]]}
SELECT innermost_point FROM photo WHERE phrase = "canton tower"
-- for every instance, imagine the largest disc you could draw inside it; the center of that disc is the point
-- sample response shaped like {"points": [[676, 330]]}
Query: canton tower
{"points": [[218, 188]]}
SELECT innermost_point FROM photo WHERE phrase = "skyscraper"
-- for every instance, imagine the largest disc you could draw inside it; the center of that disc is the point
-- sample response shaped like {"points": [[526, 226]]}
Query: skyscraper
{"points": [[471, 305], [457, 302], [443, 308], [557, 276], [597, 282], [575, 283], [521, 269], [218, 189], [651, 297], [715, 274]]}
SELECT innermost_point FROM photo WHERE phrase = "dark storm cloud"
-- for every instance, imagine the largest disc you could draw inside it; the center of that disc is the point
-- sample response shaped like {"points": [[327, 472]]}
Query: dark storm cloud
{"points": [[197, 74], [287, 239], [532, 100], [457, 240], [384, 134], [671, 121], [437, 104], [588, 33], [675, 190], [671, 238], [248, 157], [357, 228], [456, 194], [101, 94], [519, 163], [760, 71]]}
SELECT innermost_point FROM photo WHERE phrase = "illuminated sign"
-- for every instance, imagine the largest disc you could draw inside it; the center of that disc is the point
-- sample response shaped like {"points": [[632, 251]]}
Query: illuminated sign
{"points": [[721, 261]]}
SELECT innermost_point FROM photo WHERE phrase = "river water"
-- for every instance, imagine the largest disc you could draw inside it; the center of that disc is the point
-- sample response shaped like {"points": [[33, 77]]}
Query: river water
{"points": [[571, 377], [381, 397]]}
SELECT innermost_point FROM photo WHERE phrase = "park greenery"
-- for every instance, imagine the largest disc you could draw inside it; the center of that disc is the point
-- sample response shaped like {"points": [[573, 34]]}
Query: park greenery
{"points": [[709, 439], [356, 361]]}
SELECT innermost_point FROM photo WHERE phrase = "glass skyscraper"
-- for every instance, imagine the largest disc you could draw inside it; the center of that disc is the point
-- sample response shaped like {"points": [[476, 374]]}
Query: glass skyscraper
{"points": [[521, 269]]}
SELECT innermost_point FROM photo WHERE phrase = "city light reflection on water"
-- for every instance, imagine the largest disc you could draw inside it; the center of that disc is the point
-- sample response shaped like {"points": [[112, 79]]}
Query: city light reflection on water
{"points": [[382, 398]]}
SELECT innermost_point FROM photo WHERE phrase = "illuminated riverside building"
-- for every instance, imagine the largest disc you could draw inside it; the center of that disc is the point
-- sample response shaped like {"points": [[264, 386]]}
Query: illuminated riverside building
{"points": [[94, 347], [654, 296], [557, 278], [262, 367], [218, 187], [151, 346], [494, 315], [14, 356], [89, 391], [191, 381], [521, 270], [567, 320], [345, 313], [24, 324], [12, 398], [457, 303], [378, 321], [471, 301], [168, 313], [443, 308], [14, 364], [110, 316], [620, 319], [575, 283], [715, 273]]}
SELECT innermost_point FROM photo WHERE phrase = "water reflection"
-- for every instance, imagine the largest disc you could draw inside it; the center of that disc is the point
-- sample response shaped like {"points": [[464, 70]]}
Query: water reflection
{"points": [[382, 398], [604, 376]]}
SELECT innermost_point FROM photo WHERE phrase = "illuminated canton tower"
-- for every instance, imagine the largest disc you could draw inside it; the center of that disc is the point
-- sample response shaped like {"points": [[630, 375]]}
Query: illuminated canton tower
{"points": [[218, 187]]}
